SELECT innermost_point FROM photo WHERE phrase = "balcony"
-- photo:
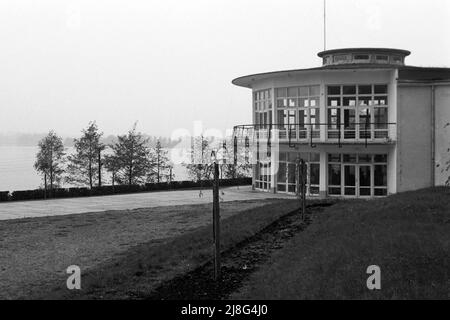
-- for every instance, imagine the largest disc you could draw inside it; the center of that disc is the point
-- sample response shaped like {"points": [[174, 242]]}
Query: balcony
{"points": [[321, 133]]}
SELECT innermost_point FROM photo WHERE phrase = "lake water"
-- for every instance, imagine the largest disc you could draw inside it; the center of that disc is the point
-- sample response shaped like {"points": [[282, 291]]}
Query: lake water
{"points": [[17, 171]]}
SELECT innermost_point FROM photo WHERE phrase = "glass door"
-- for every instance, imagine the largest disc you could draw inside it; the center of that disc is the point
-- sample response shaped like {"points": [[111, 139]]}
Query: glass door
{"points": [[364, 180], [349, 179], [292, 179]]}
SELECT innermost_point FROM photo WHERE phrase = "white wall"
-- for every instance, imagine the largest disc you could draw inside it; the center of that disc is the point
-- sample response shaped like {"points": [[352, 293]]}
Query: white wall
{"points": [[442, 126], [414, 138]]}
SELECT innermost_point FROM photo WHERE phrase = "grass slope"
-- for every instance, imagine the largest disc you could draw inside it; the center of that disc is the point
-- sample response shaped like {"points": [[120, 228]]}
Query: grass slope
{"points": [[406, 235], [35, 252], [140, 269]]}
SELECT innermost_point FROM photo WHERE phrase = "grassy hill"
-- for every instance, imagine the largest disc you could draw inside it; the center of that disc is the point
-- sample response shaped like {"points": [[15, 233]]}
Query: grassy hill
{"points": [[406, 235]]}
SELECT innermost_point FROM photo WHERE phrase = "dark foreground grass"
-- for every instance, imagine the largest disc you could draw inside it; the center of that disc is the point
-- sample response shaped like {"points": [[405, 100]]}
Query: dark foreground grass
{"points": [[143, 268], [406, 235]]}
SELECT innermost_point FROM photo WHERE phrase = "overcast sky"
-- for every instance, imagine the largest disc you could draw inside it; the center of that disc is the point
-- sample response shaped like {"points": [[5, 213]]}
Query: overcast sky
{"points": [[168, 63]]}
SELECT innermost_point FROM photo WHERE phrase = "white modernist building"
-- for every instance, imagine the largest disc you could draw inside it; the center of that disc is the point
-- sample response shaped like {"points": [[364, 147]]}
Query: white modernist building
{"points": [[366, 124]]}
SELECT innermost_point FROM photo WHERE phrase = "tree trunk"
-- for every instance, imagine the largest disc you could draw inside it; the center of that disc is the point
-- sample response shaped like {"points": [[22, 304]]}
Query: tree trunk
{"points": [[90, 173], [158, 169], [51, 173], [99, 168], [113, 179], [45, 186]]}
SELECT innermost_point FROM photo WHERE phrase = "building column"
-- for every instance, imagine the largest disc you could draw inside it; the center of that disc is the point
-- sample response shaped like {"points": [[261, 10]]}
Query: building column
{"points": [[274, 160]]}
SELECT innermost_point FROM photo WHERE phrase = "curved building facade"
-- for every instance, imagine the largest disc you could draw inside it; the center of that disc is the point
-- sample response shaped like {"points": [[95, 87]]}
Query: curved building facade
{"points": [[365, 123]]}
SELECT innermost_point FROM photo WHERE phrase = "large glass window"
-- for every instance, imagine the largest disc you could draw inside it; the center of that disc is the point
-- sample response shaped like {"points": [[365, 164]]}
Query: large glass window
{"points": [[262, 101], [263, 176], [358, 175], [357, 111], [287, 172], [297, 109]]}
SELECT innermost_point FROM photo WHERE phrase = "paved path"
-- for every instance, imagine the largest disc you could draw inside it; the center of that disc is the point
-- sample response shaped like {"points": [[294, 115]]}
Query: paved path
{"points": [[40, 208]]}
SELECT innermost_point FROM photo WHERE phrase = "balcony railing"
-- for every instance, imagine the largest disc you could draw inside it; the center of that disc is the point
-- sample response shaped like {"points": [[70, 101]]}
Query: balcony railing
{"points": [[325, 133]]}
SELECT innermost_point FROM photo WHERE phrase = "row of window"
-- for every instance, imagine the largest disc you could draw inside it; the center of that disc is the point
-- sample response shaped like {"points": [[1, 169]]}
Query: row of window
{"points": [[348, 174], [362, 58], [337, 96]]}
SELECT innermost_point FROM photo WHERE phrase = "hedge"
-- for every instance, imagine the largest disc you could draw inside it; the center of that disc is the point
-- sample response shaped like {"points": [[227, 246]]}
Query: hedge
{"points": [[4, 196], [118, 189]]}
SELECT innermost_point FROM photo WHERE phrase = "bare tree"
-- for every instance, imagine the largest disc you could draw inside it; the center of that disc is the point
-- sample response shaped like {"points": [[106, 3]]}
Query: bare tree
{"points": [[50, 160], [85, 164], [132, 155], [198, 169], [112, 165], [160, 165]]}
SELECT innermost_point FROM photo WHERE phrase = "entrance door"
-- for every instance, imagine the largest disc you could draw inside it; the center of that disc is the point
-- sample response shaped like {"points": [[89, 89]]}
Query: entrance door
{"points": [[350, 179], [291, 187], [364, 180]]}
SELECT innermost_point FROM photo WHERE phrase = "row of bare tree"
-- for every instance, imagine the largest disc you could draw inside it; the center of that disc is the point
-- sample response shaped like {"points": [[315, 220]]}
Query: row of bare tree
{"points": [[129, 159]]}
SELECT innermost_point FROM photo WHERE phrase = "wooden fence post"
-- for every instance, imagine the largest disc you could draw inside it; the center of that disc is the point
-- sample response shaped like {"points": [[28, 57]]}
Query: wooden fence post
{"points": [[216, 222]]}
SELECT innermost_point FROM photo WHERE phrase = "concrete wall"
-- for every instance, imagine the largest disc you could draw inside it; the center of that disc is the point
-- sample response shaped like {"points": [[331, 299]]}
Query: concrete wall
{"points": [[414, 138], [442, 126]]}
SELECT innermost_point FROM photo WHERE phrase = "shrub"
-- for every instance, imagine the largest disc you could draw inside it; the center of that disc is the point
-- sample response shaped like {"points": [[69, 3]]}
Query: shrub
{"points": [[118, 189]]}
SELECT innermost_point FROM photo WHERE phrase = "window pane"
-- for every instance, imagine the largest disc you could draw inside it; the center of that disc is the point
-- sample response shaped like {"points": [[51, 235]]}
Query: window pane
{"points": [[334, 174], [292, 103], [349, 90], [291, 173], [350, 176], [334, 102], [314, 102], [380, 175], [364, 117], [303, 102], [380, 158], [334, 157], [340, 58], [381, 118], [281, 103], [334, 90], [380, 101], [314, 91], [281, 172], [380, 192], [315, 157], [365, 101], [315, 173], [334, 191], [381, 89], [334, 117], [281, 93], [365, 158], [304, 91], [281, 117], [292, 92], [350, 158], [382, 58], [349, 101], [366, 89], [364, 176], [361, 57]]}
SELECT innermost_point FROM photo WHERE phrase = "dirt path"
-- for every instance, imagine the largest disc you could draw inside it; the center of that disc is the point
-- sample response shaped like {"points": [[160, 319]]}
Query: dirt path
{"points": [[237, 263]]}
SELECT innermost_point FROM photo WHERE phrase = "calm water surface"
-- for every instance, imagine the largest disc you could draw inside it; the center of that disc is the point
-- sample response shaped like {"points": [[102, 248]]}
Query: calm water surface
{"points": [[17, 172]]}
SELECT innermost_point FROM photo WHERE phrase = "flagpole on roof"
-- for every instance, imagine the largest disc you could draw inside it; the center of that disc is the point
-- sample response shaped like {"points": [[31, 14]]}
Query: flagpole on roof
{"points": [[324, 24]]}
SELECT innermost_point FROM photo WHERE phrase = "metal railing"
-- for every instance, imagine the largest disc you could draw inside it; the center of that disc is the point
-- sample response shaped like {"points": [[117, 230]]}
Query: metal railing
{"points": [[313, 133]]}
